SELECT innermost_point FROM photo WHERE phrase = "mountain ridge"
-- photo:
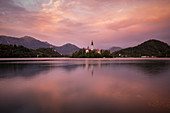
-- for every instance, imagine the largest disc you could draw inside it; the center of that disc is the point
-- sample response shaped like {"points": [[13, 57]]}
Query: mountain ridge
{"points": [[114, 48], [33, 43]]}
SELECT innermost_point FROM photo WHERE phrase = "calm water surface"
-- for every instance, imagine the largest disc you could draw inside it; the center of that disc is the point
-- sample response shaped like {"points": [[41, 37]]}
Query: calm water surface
{"points": [[84, 85]]}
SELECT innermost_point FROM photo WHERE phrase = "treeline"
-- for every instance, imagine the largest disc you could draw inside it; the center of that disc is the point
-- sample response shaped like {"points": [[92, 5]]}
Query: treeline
{"points": [[13, 51], [91, 54], [135, 52]]}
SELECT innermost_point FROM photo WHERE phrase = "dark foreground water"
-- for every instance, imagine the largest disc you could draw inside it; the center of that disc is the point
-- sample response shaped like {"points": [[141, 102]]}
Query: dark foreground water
{"points": [[85, 86]]}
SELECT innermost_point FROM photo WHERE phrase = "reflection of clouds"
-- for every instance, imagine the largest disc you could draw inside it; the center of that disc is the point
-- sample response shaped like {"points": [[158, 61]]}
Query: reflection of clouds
{"points": [[111, 89]]}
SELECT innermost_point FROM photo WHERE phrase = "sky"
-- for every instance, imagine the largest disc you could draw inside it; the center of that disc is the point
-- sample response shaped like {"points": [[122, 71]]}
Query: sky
{"points": [[108, 23]]}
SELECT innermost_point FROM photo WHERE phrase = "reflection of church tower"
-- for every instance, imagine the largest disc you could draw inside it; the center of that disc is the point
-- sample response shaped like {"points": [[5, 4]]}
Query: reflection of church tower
{"points": [[92, 47], [92, 70]]}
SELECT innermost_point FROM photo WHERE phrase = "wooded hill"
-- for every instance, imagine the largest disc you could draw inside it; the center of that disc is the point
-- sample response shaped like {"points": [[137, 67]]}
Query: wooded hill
{"points": [[13, 51], [150, 48]]}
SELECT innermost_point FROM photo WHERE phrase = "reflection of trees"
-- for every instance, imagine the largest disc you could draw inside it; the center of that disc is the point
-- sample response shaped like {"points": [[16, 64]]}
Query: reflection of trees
{"points": [[8, 70], [25, 70], [32, 69], [69, 67], [152, 69]]}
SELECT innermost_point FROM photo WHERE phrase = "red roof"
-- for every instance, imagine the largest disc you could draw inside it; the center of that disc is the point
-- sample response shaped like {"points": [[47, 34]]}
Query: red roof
{"points": [[97, 50]]}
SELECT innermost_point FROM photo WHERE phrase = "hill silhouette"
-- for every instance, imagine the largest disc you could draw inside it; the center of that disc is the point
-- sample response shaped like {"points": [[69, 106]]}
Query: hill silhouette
{"points": [[149, 48], [32, 43], [13, 51]]}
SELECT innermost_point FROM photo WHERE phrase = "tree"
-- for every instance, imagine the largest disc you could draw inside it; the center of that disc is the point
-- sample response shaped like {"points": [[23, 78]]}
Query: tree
{"points": [[7, 51]]}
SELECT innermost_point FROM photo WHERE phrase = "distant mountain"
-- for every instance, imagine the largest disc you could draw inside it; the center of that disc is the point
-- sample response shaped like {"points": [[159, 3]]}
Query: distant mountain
{"points": [[148, 48], [26, 41], [113, 49], [67, 49], [32, 43]]}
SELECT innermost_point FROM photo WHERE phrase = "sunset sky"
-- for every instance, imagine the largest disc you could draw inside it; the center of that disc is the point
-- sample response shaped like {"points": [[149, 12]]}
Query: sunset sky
{"points": [[109, 23]]}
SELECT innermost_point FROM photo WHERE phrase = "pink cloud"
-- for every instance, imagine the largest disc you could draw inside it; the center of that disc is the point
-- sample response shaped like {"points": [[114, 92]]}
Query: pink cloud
{"points": [[107, 22]]}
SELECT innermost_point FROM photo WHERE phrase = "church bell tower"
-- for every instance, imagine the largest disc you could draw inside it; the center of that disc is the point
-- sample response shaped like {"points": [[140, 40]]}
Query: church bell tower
{"points": [[92, 46]]}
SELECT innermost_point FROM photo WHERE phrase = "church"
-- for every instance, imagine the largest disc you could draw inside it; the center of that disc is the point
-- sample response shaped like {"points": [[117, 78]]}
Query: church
{"points": [[92, 48]]}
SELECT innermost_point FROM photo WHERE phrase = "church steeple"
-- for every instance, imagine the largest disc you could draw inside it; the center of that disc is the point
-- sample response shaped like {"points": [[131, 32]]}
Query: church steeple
{"points": [[92, 42], [92, 46]]}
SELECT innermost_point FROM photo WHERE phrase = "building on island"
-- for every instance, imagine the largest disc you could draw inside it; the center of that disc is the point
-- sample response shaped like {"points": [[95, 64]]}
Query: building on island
{"points": [[92, 48], [97, 50], [87, 50]]}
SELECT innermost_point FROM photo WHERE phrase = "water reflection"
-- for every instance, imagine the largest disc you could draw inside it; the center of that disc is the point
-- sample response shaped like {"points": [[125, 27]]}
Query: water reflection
{"points": [[29, 70], [25, 70], [85, 87], [13, 69]]}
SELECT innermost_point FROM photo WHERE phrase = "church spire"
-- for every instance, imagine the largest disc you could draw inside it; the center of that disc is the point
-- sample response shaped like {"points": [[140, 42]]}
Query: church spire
{"points": [[92, 42], [92, 46]]}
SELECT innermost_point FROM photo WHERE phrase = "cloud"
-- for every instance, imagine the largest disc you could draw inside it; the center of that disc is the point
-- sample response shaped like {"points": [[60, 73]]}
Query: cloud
{"points": [[10, 6], [107, 22]]}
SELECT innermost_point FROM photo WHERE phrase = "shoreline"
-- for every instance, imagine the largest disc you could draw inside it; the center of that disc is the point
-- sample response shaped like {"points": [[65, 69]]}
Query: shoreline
{"points": [[66, 58]]}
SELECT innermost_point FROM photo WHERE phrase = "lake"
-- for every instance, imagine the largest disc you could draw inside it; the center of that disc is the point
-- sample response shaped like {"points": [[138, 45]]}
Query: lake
{"points": [[104, 85]]}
